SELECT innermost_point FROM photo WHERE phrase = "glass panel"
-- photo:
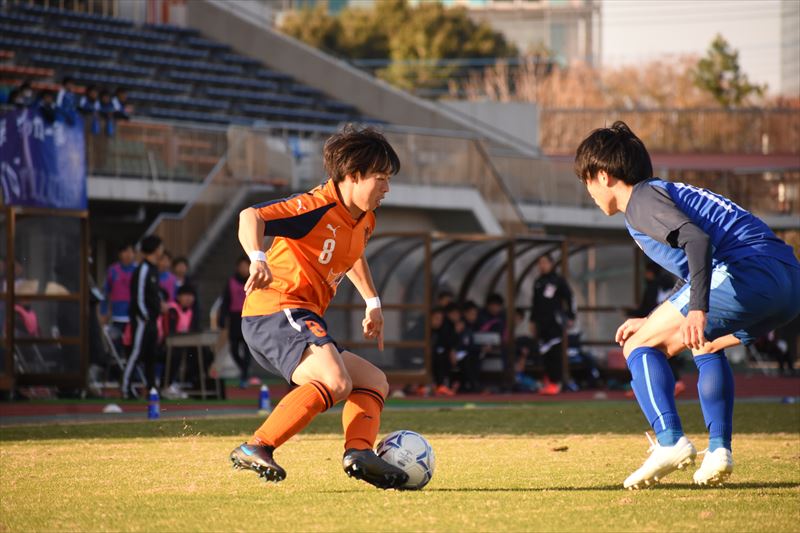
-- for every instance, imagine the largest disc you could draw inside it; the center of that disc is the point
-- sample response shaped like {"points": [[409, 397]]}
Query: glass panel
{"points": [[47, 358], [46, 320], [47, 255]]}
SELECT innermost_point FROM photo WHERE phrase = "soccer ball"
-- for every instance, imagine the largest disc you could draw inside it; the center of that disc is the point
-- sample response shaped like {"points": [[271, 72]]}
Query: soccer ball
{"points": [[410, 452]]}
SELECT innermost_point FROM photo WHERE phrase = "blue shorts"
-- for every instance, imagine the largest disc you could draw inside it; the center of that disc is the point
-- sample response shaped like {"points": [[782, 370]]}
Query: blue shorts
{"points": [[277, 341], [748, 298]]}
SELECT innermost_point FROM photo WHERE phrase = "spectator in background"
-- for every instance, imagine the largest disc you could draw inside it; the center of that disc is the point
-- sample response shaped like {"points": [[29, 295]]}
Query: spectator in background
{"points": [[15, 99], [145, 313], [67, 100], [120, 104], [552, 310], [115, 308], [230, 315], [180, 269], [493, 316], [526, 349], [47, 106], [105, 108], [88, 102], [25, 96], [166, 279], [181, 317], [470, 353], [443, 344], [444, 298], [89, 105]]}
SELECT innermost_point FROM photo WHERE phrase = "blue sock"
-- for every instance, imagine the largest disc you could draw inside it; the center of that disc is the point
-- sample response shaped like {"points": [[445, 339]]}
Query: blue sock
{"points": [[654, 386], [715, 387]]}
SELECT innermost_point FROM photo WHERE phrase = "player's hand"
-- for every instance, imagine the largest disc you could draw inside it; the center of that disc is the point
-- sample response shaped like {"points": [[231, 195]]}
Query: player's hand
{"points": [[692, 329], [260, 277], [628, 328], [373, 325]]}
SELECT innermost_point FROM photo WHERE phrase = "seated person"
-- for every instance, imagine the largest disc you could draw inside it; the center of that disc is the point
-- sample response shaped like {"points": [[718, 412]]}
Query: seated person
{"points": [[443, 343], [181, 317]]}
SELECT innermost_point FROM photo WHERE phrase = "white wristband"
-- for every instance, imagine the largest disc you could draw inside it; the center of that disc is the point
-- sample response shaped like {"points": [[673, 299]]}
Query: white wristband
{"points": [[373, 303], [258, 255]]}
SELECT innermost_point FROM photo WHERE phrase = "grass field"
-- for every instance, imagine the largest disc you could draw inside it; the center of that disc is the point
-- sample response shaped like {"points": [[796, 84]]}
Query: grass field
{"points": [[554, 467]]}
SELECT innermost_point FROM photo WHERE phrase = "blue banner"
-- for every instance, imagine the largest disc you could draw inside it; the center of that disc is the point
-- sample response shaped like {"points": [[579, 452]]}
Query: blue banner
{"points": [[42, 164]]}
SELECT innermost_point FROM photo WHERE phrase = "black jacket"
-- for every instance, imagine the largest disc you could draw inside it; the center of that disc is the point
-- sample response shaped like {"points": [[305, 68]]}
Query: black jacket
{"points": [[552, 306], [145, 293]]}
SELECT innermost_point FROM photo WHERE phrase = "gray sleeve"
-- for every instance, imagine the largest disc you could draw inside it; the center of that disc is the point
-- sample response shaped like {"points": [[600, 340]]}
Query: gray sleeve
{"points": [[652, 211], [697, 246]]}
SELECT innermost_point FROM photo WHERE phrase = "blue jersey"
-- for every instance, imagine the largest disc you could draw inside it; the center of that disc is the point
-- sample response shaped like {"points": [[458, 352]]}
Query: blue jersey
{"points": [[657, 209]]}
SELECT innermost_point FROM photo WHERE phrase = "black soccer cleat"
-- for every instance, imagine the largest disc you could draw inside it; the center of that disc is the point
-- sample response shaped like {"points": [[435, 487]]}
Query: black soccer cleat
{"points": [[258, 459], [365, 465]]}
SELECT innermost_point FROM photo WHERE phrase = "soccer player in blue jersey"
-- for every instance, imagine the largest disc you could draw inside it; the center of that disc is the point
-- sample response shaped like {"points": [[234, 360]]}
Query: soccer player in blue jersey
{"points": [[737, 281]]}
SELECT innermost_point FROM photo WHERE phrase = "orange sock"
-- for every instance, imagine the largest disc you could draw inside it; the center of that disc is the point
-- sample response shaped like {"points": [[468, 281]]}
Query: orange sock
{"points": [[293, 413], [361, 418]]}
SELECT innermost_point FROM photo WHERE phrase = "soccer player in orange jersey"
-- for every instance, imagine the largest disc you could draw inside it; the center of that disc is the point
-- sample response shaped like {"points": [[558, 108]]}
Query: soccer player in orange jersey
{"points": [[320, 238]]}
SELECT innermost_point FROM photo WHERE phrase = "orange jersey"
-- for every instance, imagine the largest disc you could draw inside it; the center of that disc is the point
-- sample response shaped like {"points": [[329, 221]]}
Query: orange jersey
{"points": [[316, 243]]}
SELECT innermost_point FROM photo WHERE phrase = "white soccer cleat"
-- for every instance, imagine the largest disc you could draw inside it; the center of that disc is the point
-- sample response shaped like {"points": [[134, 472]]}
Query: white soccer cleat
{"points": [[662, 461], [715, 468]]}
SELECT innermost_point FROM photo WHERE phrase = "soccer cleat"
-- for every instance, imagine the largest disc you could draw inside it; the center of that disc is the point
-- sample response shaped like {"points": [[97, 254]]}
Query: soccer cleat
{"points": [[367, 466], [550, 389], [258, 459], [663, 460], [715, 468]]}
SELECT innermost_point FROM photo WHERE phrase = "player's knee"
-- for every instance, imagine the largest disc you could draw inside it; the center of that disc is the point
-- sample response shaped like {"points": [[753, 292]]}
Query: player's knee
{"points": [[381, 384], [340, 387], [629, 346]]}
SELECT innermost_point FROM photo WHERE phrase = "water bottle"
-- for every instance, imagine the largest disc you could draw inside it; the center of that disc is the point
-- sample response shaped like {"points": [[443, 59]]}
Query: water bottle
{"points": [[264, 404], [153, 407]]}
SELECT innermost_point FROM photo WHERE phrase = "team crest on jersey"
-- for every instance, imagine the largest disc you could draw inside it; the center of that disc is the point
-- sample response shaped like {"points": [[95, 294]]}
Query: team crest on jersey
{"points": [[335, 278]]}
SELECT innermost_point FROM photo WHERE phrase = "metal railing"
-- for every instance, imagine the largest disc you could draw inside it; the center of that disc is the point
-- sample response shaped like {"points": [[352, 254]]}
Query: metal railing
{"points": [[155, 150], [740, 131]]}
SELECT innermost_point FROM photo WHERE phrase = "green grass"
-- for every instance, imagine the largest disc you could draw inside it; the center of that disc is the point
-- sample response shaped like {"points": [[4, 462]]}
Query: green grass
{"points": [[496, 469]]}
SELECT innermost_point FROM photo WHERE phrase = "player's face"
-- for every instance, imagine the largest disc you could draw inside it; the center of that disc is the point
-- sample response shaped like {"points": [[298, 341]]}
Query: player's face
{"points": [[370, 191], [602, 194]]}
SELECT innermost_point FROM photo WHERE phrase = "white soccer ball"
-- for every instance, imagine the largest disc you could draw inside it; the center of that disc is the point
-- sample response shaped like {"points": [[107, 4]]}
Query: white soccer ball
{"points": [[410, 452]]}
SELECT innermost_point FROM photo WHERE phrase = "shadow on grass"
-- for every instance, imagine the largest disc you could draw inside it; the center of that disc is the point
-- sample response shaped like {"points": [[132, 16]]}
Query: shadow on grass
{"points": [[599, 488]]}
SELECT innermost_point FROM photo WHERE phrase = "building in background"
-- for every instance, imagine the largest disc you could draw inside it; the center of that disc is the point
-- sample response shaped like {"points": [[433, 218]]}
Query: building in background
{"points": [[790, 48], [569, 29]]}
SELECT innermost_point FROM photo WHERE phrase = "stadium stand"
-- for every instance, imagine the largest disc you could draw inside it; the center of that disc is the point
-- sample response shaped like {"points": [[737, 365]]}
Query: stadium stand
{"points": [[172, 73]]}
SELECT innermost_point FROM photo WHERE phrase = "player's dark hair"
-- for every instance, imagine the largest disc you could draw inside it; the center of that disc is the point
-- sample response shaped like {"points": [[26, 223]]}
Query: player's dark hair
{"points": [[355, 149], [494, 298], [124, 246], [469, 305], [150, 244], [186, 289], [617, 151]]}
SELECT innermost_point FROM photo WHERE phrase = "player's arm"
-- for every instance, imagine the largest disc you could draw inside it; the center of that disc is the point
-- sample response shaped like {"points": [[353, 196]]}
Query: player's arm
{"points": [[251, 237], [361, 277], [656, 215], [697, 245], [292, 217]]}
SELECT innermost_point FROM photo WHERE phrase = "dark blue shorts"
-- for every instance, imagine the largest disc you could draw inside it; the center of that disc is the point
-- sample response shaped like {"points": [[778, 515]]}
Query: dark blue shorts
{"points": [[749, 298], [277, 341]]}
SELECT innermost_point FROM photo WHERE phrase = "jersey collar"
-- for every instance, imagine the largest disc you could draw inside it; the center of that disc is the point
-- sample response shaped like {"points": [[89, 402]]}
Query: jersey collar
{"points": [[333, 193]]}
